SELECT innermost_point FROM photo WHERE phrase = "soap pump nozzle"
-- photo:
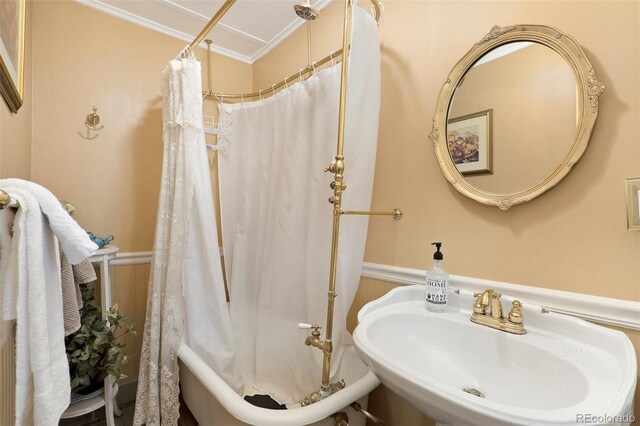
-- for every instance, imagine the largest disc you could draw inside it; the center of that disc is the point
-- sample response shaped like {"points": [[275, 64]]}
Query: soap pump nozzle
{"points": [[438, 254]]}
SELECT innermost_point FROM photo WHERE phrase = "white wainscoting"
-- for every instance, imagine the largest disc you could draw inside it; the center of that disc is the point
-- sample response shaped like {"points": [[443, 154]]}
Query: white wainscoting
{"points": [[616, 312], [132, 258], [8, 380]]}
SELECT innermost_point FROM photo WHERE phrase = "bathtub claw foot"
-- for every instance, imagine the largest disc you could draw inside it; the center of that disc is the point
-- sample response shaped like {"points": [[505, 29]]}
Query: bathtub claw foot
{"points": [[340, 419]]}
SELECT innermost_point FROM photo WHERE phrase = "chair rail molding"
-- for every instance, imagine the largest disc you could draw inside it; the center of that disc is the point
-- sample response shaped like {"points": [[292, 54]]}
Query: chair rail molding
{"points": [[604, 310], [132, 258]]}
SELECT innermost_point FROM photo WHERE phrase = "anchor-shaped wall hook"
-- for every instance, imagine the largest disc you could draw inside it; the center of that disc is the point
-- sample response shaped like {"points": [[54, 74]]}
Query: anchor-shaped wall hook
{"points": [[92, 122]]}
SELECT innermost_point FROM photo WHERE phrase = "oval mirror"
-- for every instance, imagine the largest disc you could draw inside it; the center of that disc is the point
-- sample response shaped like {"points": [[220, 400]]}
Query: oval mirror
{"points": [[515, 114]]}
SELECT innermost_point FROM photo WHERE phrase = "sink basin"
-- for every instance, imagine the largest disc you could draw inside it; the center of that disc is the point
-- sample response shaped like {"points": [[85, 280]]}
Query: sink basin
{"points": [[461, 373]]}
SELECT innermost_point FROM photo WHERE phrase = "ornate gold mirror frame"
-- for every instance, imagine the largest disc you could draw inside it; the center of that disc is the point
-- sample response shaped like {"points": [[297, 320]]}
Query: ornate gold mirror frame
{"points": [[588, 90]]}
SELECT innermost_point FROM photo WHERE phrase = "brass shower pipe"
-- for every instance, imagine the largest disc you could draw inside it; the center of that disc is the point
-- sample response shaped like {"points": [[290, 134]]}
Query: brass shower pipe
{"points": [[337, 167], [338, 185], [209, 81], [396, 213], [309, 51]]}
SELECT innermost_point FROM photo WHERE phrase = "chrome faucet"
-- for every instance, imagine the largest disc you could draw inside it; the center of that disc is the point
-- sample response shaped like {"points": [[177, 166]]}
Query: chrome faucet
{"points": [[487, 310]]}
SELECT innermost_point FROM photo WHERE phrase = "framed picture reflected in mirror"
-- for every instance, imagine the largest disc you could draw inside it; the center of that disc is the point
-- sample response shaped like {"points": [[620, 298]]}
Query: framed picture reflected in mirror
{"points": [[469, 142]]}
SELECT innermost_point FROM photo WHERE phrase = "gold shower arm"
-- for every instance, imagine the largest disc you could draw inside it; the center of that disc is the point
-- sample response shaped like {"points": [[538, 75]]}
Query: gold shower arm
{"points": [[396, 213]]}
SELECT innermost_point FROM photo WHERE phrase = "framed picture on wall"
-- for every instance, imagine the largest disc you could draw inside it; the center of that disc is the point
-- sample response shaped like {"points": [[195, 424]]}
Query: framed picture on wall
{"points": [[12, 14], [469, 142]]}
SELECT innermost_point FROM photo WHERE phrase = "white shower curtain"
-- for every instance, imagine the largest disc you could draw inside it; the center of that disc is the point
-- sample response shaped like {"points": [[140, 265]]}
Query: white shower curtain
{"points": [[186, 261], [276, 220]]}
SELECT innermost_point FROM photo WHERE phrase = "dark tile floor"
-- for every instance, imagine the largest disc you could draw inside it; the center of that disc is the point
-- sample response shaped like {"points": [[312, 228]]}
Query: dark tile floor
{"points": [[97, 418]]}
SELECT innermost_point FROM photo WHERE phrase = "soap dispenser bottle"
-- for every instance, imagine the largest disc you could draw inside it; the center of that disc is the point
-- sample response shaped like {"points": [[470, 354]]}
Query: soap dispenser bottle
{"points": [[437, 282]]}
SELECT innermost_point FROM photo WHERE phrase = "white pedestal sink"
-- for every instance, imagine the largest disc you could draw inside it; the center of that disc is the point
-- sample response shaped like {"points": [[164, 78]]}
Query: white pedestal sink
{"points": [[564, 371]]}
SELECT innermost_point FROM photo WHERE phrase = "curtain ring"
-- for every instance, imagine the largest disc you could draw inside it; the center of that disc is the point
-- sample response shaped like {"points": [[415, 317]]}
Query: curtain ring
{"points": [[242, 98], [183, 53], [313, 65], [331, 56], [260, 93], [300, 73], [273, 89], [286, 85]]}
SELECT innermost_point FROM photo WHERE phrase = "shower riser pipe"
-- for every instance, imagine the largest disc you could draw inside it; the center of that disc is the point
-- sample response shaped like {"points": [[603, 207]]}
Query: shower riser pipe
{"points": [[337, 168]]}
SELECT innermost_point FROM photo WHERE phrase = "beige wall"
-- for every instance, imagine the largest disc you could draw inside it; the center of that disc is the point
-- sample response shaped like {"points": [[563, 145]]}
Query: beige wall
{"points": [[573, 238], [523, 89], [91, 59], [82, 58]]}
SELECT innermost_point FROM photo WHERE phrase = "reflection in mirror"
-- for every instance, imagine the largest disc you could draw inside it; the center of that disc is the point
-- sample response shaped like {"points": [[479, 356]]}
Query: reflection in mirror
{"points": [[513, 117]]}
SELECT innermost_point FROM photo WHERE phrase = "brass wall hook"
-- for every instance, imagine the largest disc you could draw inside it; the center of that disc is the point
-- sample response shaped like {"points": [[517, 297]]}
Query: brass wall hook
{"points": [[92, 122]]}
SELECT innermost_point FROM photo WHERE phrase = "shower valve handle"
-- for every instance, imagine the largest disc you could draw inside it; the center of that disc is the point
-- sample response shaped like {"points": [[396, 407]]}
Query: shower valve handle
{"points": [[307, 326], [316, 328]]}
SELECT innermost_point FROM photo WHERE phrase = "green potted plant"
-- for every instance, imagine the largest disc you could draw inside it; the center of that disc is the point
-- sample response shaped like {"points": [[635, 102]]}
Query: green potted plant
{"points": [[92, 351]]}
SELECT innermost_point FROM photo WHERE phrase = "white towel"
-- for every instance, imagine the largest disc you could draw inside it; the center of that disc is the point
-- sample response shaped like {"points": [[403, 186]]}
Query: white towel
{"points": [[77, 246], [42, 372]]}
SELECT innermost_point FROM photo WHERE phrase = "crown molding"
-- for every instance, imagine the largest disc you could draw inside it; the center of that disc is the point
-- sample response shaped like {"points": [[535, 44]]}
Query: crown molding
{"points": [[604, 310], [202, 18], [146, 23]]}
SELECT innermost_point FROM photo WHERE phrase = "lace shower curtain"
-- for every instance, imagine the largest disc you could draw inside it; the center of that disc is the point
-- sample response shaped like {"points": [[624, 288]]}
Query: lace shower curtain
{"points": [[185, 256], [277, 223]]}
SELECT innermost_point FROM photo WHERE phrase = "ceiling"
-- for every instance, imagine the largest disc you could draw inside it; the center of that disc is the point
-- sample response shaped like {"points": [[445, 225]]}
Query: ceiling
{"points": [[249, 30]]}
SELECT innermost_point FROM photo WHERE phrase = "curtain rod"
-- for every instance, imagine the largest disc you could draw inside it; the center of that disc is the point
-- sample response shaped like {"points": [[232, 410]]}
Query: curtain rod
{"points": [[377, 13], [272, 90]]}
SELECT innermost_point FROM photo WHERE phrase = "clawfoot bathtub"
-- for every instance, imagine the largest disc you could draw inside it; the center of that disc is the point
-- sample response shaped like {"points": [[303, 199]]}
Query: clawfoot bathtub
{"points": [[213, 402]]}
